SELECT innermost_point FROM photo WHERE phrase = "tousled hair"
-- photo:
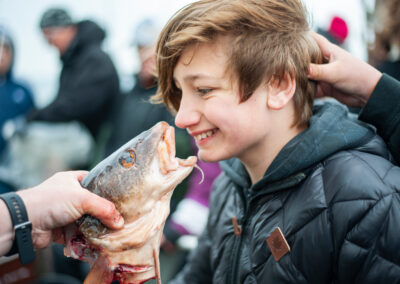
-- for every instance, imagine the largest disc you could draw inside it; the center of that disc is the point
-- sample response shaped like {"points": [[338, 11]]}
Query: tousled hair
{"points": [[271, 38]]}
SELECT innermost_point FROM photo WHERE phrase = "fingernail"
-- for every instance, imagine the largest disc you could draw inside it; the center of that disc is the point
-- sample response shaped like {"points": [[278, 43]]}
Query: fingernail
{"points": [[119, 221]]}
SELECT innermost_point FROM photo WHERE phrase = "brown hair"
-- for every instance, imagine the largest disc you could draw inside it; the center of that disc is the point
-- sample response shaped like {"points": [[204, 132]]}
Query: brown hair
{"points": [[270, 38]]}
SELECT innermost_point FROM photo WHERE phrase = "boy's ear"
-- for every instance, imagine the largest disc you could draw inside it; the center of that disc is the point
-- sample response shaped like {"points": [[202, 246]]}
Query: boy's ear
{"points": [[280, 93]]}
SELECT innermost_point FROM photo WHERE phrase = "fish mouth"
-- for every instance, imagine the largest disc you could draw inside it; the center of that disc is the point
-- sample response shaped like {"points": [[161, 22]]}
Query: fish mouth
{"points": [[167, 152]]}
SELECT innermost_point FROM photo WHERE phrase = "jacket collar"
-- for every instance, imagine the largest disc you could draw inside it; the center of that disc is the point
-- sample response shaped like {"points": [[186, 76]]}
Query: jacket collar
{"points": [[332, 128]]}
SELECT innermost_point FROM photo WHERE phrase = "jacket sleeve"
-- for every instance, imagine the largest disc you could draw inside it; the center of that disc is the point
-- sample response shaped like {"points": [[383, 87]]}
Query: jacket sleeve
{"points": [[83, 96], [383, 111], [370, 250]]}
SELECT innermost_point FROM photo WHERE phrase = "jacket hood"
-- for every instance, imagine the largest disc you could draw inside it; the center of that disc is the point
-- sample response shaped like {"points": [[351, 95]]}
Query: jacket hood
{"points": [[88, 33], [332, 128], [5, 38]]}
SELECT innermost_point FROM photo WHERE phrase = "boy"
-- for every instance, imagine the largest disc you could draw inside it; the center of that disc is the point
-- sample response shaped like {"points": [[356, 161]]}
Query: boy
{"points": [[307, 195]]}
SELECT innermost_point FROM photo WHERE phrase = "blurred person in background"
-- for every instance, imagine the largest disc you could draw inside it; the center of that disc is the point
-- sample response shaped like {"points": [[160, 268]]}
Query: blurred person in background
{"points": [[133, 112], [385, 54], [88, 83], [15, 97]]}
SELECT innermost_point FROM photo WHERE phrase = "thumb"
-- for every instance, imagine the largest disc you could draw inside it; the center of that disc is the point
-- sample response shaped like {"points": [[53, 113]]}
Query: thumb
{"points": [[319, 72], [103, 210]]}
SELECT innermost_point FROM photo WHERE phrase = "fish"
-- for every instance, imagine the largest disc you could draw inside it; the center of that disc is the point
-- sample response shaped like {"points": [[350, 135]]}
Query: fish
{"points": [[139, 178]]}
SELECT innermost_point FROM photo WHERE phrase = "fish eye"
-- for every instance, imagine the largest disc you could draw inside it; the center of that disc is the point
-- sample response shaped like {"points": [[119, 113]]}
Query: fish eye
{"points": [[127, 159]]}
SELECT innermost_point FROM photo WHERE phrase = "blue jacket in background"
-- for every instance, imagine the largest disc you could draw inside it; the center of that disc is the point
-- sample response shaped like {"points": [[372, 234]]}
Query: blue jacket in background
{"points": [[15, 97], [15, 100]]}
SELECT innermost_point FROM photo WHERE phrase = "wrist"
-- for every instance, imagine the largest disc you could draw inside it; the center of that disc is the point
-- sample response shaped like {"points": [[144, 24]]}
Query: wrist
{"points": [[373, 78], [29, 201], [33, 204]]}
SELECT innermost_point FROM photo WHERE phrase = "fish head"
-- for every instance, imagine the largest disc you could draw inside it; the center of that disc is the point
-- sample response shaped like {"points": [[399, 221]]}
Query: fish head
{"points": [[139, 179], [143, 171]]}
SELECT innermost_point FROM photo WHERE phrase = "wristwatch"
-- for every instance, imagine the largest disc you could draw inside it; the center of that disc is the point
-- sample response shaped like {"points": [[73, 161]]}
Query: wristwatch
{"points": [[22, 227]]}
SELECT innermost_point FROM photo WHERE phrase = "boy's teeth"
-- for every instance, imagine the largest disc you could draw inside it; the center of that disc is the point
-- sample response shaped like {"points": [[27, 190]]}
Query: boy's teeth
{"points": [[204, 135]]}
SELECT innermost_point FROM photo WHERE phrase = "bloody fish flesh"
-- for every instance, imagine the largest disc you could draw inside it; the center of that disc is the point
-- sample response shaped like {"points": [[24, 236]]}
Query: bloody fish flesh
{"points": [[139, 178]]}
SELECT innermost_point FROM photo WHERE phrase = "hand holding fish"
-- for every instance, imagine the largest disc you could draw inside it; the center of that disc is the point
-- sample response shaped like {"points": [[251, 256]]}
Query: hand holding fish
{"points": [[55, 203]]}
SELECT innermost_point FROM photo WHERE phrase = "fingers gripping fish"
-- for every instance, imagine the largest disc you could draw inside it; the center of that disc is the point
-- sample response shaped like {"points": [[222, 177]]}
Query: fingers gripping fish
{"points": [[139, 178]]}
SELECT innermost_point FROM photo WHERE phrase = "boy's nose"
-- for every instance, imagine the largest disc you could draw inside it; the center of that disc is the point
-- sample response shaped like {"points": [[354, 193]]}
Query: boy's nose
{"points": [[188, 114]]}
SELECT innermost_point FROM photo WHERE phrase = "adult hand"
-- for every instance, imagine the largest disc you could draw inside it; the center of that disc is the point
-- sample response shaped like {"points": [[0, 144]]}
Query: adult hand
{"points": [[59, 201], [344, 77]]}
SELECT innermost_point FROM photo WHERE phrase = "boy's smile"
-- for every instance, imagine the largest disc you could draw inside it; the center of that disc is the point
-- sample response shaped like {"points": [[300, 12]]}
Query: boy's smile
{"points": [[201, 137]]}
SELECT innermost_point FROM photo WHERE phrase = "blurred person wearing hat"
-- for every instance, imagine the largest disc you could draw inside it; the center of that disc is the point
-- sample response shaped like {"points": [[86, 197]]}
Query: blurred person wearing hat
{"points": [[133, 113], [15, 97], [88, 84]]}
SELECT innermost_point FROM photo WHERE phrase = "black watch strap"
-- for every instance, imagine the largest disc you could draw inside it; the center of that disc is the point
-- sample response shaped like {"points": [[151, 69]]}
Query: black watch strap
{"points": [[22, 227]]}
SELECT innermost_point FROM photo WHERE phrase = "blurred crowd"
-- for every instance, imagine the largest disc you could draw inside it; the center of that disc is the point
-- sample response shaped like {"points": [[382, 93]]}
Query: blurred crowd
{"points": [[91, 108]]}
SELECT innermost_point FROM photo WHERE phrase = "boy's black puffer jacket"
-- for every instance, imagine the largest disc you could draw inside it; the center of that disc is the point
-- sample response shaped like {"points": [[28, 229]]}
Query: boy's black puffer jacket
{"points": [[334, 194]]}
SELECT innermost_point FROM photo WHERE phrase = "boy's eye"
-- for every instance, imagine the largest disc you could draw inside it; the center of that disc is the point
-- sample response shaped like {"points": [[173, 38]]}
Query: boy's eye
{"points": [[202, 91]]}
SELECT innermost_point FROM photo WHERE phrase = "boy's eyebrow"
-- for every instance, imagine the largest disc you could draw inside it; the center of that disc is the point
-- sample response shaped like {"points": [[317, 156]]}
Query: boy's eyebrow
{"points": [[191, 78]]}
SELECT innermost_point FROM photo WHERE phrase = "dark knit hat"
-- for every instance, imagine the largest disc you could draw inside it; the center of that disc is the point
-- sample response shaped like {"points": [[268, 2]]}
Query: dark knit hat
{"points": [[55, 17]]}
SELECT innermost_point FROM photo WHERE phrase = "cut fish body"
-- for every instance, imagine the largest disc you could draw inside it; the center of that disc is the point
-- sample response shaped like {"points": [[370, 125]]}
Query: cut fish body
{"points": [[139, 178]]}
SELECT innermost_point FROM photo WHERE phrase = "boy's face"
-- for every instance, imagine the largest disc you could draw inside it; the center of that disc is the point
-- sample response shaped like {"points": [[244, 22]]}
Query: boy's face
{"points": [[210, 109]]}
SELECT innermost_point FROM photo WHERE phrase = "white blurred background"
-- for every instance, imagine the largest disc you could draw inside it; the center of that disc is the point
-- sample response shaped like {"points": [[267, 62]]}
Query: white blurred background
{"points": [[38, 64]]}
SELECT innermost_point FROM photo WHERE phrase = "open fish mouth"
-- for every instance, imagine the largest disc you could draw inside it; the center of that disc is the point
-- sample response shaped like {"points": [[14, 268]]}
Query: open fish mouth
{"points": [[173, 168], [167, 151]]}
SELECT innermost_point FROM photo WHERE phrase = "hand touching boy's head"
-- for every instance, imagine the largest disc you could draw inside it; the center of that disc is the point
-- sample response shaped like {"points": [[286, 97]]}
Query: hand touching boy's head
{"points": [[270, 39]]}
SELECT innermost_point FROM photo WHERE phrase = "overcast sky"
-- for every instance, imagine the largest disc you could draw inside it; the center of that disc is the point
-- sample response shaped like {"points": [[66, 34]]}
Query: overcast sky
{"points": [[38, 63]]}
